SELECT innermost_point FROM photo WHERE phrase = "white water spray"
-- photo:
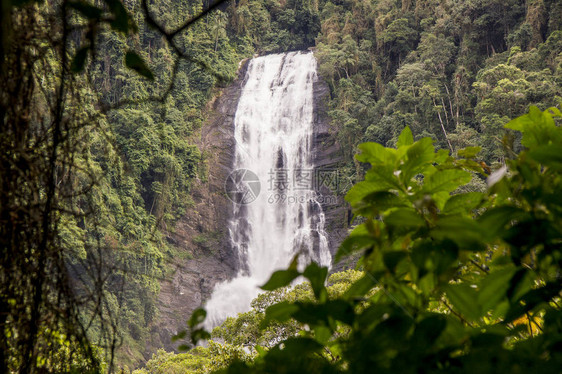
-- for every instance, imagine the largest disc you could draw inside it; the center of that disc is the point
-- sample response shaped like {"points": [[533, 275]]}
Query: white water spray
{"points": [[273, 131]]}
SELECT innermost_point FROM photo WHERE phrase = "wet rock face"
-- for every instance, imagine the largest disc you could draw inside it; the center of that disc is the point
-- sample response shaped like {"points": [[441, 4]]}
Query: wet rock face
{"points": [[327, 156], [200, 237]]}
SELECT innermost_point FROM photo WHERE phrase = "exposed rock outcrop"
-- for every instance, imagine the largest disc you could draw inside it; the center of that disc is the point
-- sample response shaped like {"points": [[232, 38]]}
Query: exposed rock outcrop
{"points": [[201, 235], [327, 158]]}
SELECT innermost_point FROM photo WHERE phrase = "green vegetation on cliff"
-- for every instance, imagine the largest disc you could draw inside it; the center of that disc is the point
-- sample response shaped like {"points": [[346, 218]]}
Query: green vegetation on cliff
{"points": [[100, 113]]}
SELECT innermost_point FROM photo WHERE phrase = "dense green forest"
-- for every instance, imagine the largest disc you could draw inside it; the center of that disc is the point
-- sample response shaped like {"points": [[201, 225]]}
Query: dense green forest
{"points": [[101, 108]]}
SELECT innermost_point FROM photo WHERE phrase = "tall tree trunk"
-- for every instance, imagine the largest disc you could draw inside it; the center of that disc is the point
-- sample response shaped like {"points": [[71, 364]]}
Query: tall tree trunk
{"points": [[443, 127]]}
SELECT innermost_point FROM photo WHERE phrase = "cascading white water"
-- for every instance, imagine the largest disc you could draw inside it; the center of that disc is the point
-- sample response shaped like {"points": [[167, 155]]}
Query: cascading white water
{"points": [[273, 131]]}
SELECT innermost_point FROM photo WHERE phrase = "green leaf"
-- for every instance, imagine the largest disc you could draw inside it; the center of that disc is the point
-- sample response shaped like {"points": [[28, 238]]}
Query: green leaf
{"points": [[261, 351], [427, 332], [538, 128], [199, 334], [420, 155], [378, 202], [180, 335], [548, 155], [554, 111], [135, 62], [279, 312], [463, 203], [406, 138], [496, 221], [360, 288], [464, 300], [197, 317], [317, 277], [375, 154], [469, 152], [294, 347], [521, 283], [315, 314], [280, 278], [89, 11], [79, 60], [363, 189], [322, 334], [494, 286], [446, 180], [404, 217], [466, 233], [352, 244], [392, 258], [435, 256]]}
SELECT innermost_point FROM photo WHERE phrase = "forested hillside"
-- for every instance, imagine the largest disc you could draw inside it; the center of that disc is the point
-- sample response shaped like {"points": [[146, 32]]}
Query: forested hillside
{"points": [[453, 71]]}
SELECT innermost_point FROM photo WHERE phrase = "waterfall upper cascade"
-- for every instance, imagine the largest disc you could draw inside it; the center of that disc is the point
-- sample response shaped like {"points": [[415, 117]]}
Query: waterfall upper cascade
{"points": [[273, 131]]}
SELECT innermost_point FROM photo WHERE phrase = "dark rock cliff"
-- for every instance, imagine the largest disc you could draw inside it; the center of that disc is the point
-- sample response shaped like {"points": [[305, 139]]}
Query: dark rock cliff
{"points": [[327, 156], [202, 234]]}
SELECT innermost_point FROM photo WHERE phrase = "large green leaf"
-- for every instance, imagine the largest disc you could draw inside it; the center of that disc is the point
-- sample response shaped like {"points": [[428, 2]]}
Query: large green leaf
{"points": [[406, 138], [532, 299], [446, 180], [317, 277], [465, 300], [376, 154], [420, 155], [378, 202], [361, 287], [548, 155], [427, 332], [538, 127], [469, 152], [496, 221], [466, 233], [434, 255], [404, 217], [494, 287], [463, 203], [197, 317], [364, 189], [280, 278], [280, 312]]}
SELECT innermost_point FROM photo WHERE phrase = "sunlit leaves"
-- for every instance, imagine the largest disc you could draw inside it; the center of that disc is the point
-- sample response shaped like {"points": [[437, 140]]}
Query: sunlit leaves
{"points": [[465, 300]]}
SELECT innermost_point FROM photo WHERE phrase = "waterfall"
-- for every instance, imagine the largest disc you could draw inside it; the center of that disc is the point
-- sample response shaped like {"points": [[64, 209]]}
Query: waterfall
{"points": [[275, 211]]}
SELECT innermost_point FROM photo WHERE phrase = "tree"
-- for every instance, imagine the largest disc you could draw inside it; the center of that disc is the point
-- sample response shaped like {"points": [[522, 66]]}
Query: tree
{"points": [[68, 247]]}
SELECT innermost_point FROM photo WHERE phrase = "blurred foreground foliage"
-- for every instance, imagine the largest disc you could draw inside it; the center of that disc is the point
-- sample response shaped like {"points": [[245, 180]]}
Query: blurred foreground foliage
{"points": [[452, 281]]}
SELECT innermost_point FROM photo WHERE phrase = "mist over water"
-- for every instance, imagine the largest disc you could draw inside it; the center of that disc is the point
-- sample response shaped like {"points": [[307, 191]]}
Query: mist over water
{"points": [[273, 129]]}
